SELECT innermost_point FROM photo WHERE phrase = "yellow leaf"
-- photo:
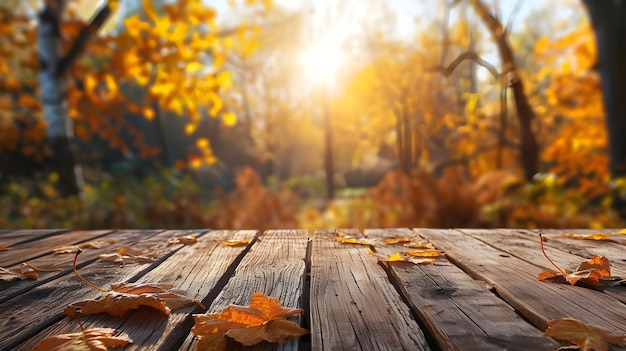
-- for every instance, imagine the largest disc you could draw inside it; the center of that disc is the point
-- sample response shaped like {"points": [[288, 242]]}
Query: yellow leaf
{"points": [[202, 143], [190, 128], [194, 67], [229, 119], [150, 10]]}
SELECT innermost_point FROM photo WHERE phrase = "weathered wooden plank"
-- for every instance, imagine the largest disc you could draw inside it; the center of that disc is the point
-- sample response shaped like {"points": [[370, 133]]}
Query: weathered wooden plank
{"points": [[459, 312], [353, 304], [274, 266], [24, 316], [10, 238], [567, 253], [199, 269], [64, 261], [28, 250], [515, 280]]}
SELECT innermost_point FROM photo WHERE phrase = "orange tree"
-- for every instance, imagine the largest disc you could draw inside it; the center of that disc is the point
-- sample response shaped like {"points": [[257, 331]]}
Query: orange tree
{"points": [[166, 58]]}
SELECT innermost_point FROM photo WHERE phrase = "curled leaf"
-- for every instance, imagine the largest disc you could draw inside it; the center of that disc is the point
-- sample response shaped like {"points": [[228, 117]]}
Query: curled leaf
{"points": [[126, 253], [98, 244], [233, 242], [590, 272], [92, 339], [397, 240], [124, 297], [185, 240], [25, 271], [586, 337]]}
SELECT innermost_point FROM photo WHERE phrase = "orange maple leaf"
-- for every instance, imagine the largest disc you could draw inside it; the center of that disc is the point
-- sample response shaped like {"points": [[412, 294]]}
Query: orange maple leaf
{"points": [[589, 272], [93, 339], [586, 337], [124, 297], [263, 320]]}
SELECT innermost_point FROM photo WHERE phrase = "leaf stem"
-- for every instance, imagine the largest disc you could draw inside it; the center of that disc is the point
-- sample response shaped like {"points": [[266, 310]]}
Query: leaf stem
{"points": [[548, 258], [82, 278]]}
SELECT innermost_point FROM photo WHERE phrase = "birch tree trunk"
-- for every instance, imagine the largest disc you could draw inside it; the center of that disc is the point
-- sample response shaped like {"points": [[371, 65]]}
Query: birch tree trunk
{"points": [[54, 66], [53, 91]]}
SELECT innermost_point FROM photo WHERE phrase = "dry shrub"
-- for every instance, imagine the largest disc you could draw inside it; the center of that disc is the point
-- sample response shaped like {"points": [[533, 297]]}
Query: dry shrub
{"points": [[250, 206]]}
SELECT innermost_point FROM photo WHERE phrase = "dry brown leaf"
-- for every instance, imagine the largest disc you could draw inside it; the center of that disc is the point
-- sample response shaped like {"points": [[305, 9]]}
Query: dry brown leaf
{"points": [[97, 244], [93, 339], [597, 236], [185, 240], [590, 272], [25, 271], [4, 248], [420, 245], [124, 297], [586, 337], [236, 242], [263, 320], [126, 253]]}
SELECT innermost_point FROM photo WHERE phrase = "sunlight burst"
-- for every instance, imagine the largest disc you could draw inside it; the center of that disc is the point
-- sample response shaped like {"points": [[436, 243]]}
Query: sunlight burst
{"points": [[321, 62]]}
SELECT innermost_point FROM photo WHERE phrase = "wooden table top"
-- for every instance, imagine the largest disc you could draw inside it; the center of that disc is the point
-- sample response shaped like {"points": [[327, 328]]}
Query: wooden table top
{"points": [[481, 294]]}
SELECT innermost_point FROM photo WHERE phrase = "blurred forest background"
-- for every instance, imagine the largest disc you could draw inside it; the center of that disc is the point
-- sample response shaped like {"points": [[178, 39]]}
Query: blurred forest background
{"points": [[309, 114]]}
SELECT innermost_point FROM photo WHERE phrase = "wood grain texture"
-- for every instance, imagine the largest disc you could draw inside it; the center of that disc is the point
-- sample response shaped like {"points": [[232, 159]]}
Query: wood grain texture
{"points": [[64, 261], [274, 266], [515, 280], [566, 252], [25, 316], [196, 268], [11, 238], [353, 304], [458, 311], [28, 250]]}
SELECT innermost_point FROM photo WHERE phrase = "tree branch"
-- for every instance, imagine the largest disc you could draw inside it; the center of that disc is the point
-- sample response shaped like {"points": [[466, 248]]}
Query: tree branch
{"points": [[81, 40], [468, 55]]}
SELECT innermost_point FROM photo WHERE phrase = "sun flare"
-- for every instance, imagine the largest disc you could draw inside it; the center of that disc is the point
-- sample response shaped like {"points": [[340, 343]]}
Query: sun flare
{"points": [[321, 61]]}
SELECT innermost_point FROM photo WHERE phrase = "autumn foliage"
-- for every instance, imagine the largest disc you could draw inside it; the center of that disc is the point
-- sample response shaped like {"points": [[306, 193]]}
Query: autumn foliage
{"points": [[186, 123]]}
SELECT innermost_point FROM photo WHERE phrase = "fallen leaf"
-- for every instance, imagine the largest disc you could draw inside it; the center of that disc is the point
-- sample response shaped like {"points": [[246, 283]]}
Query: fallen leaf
{"points": [[420, 245], [423, 253], [263, 320], [98, 244], [124, 297], [597, 236], [398, 257], [586, 337], [589, 272], [4, 248], [185, 240], [235, 242], [92, 339], [397, 240], [348, 239], [126, 253], [622, 231], [25, 271]]}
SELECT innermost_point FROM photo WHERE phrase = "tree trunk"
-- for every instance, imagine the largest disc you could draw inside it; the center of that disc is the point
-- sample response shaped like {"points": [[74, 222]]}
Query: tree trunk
{"points": [[529, 149], [54, 67], [53, 91], [608, 20]]}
